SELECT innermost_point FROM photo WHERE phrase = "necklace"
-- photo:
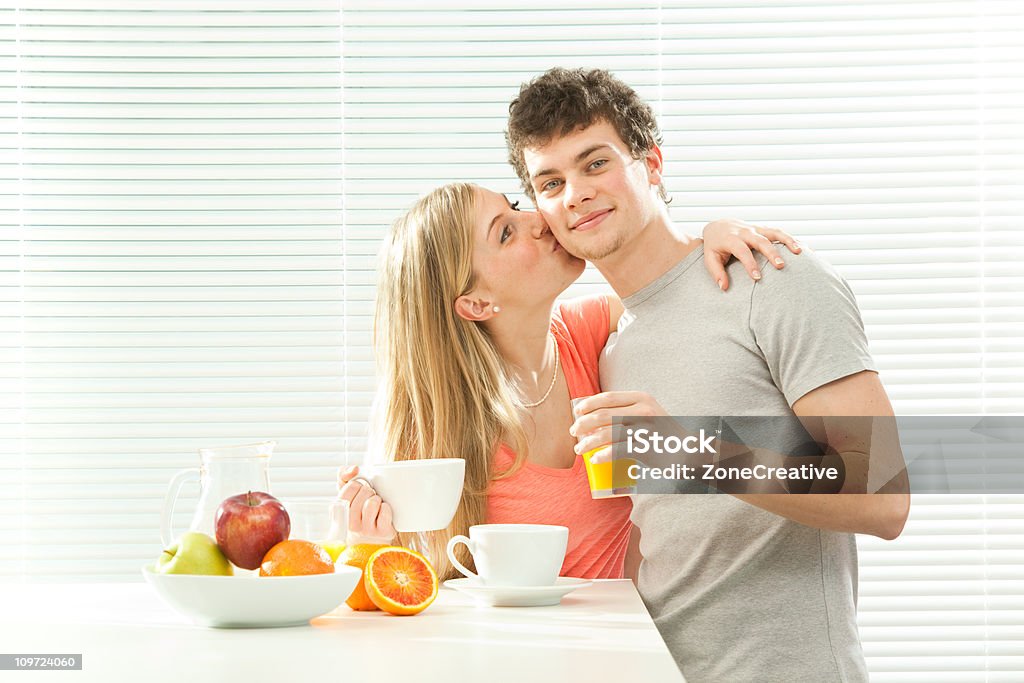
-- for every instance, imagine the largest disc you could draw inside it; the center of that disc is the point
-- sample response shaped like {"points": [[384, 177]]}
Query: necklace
{"points": [[554, 378]]}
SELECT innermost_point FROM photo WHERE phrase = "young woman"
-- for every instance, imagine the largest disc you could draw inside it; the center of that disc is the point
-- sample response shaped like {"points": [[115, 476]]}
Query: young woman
{"points": [[477, 361]]}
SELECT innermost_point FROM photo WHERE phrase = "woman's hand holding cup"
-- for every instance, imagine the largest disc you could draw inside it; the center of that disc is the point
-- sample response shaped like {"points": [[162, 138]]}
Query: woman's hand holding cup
{"points": [[369, 516]]}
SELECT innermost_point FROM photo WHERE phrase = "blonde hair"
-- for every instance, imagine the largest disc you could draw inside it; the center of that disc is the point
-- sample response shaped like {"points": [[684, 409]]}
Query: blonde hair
{"points": [[444, 389]]}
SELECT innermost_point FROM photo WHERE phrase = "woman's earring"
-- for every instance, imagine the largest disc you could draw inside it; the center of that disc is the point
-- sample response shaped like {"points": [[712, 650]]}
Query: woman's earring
{"points": [[496, 309]]}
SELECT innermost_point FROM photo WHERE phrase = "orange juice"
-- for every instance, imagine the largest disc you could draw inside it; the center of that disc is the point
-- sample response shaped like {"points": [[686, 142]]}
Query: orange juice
{"points": [[334, 547], [609, 478]]}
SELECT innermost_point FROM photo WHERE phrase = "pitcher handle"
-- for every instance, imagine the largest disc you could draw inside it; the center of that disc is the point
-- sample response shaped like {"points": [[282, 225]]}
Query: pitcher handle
{"points": [[455, 540], [167, 513]]}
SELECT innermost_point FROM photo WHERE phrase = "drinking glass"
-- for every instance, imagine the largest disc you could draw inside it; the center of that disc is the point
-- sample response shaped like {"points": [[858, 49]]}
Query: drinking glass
{"points": [[608, 477]]}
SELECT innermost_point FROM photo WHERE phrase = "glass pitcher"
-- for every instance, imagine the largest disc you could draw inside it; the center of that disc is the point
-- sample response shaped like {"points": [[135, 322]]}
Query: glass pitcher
{"points": [[222, 473]]}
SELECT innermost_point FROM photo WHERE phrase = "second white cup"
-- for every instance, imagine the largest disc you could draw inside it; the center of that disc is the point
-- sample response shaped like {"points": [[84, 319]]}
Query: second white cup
{"points": [[513, 554]]}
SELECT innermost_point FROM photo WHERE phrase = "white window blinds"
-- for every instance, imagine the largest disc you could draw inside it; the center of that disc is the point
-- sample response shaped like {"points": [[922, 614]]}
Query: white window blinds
{"points": [[171, 263]]}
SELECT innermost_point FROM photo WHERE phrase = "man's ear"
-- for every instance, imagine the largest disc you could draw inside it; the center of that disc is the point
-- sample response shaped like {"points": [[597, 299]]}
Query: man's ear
{"points": [[473, 308], [655, 165]]}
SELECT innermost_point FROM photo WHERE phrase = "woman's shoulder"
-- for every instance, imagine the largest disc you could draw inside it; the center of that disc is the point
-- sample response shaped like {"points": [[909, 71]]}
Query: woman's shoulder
{"points": [[585, 311], [582, 327]]}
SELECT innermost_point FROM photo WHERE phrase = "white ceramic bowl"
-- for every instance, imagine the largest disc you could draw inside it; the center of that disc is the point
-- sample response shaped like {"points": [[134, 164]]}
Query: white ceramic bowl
{"points": [[254, 601]]}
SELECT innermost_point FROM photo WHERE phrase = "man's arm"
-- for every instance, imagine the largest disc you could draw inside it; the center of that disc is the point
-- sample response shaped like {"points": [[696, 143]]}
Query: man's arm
{"points": [[851, 417], [879, 514]]}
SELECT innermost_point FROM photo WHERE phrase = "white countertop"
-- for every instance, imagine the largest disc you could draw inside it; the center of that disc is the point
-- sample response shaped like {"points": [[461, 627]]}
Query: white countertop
{"points": [[124, 632]]}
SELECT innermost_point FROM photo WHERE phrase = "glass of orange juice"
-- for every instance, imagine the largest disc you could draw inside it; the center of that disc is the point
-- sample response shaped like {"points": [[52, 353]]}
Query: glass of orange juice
{"points": [[609, 477], [320, 520]]}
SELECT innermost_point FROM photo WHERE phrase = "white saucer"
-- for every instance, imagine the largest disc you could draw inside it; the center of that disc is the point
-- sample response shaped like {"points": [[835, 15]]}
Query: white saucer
{"points": [[517, 596]]}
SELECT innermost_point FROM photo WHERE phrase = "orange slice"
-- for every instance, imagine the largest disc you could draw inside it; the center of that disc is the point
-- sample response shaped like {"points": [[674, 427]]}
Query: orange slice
{"points": [[400, 581]]}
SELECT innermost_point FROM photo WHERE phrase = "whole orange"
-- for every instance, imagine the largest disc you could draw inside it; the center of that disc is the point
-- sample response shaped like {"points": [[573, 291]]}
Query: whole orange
{"points": [[356, 556], [296, 558]]}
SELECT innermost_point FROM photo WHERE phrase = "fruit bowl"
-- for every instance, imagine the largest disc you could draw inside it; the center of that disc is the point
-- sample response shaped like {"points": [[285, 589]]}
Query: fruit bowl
{"points": [[254, 601]]}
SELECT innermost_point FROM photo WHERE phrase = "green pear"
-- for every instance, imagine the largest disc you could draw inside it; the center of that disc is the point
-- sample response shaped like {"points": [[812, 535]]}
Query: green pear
{"points": [[194, 553]]}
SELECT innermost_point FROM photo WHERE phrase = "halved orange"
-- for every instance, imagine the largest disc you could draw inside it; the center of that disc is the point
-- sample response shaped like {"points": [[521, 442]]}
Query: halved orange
{"points": [[400, 581]]}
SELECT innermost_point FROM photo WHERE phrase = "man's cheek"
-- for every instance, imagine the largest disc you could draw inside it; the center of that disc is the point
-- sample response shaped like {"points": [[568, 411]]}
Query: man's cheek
{"points": [[552, 217], [548, 208]]}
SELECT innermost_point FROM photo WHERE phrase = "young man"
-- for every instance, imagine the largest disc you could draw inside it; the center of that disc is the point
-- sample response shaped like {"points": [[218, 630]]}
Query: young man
{"points": [[742, 587]]}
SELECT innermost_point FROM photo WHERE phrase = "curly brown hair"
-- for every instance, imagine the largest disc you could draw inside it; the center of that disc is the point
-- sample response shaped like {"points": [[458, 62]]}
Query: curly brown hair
{"points": [[561, 101]]}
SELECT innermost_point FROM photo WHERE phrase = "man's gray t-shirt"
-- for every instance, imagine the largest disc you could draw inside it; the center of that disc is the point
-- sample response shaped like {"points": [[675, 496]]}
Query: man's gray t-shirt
{"points": [[740, 594]]}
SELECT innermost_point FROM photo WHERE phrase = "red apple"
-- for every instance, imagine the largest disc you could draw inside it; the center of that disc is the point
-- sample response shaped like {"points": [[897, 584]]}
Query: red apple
{"points": [[250, 524]]}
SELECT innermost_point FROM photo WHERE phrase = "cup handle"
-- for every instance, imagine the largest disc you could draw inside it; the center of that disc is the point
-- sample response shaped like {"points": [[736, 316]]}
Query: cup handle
{"points": [[455, 540], [167, 513]]}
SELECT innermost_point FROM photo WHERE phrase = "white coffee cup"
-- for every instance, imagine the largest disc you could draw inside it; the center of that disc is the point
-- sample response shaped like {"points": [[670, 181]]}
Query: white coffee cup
{"points": [[513, 554], [423, 494]]}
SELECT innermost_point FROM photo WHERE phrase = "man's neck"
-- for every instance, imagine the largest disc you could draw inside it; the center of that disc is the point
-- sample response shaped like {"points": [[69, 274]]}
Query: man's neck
{"points": [[651, 254]]}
